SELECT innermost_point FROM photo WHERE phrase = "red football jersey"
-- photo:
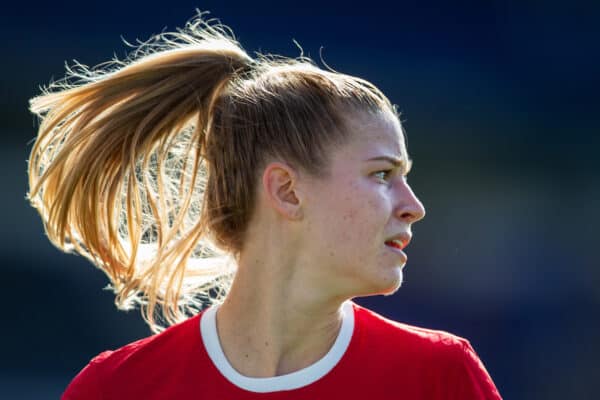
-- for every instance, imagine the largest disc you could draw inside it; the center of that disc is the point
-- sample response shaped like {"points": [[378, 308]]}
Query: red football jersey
{"points": [[372, 357]]}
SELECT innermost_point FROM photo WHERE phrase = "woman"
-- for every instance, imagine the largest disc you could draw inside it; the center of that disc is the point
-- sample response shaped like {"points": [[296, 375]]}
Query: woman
{"points": [[242, 203]]}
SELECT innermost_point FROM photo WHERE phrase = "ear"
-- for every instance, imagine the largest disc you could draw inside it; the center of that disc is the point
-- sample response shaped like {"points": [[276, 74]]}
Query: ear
{"points": [[280, 186]]}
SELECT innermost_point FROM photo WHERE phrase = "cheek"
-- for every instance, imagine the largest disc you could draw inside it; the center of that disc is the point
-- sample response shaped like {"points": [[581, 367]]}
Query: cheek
{"points": [[359, 223], [352, 215]]}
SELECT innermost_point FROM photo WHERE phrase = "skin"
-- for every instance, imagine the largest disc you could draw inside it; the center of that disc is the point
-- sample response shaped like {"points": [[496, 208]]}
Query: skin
{"points": [[314, 243]]}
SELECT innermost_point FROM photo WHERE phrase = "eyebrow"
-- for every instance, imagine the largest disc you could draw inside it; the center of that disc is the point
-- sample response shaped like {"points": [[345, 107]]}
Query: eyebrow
{"points": [[396, 162]]}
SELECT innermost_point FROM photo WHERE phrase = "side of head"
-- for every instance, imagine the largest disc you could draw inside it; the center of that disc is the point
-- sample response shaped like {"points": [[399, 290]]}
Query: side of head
{"points": [[151, 165], [333, 233], [288, 111]]}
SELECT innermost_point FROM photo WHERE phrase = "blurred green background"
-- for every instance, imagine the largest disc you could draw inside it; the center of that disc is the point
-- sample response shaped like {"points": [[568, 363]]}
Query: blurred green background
{"points": [[500, 103]]}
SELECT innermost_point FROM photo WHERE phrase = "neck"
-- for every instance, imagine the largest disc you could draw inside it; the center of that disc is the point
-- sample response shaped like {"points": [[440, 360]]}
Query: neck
{"points": [[274, 320]]}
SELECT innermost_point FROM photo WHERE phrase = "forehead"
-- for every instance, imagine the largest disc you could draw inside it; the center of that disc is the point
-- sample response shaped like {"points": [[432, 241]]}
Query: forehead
{"points": [[374, 135]]}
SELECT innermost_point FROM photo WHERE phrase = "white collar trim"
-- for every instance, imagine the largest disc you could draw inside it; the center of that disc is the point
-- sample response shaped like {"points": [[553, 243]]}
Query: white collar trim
{"points": [[294, 380]]}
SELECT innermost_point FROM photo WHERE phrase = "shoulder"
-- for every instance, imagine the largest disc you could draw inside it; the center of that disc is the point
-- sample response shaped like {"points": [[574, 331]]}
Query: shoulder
{"points": [[378, 327], [447, 362], [162, 346], [150, 356]]}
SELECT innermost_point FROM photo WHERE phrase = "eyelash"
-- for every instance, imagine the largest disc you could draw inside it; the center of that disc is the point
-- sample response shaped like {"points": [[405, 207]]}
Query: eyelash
{"points": [[387, 172]]}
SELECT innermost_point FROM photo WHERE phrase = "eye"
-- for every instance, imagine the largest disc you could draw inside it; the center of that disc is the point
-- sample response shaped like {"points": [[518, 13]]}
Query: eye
{"points": [[384, 175]]}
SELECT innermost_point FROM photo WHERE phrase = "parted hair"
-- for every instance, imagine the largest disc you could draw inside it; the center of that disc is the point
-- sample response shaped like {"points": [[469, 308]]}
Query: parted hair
{"points": [[149, 166]]}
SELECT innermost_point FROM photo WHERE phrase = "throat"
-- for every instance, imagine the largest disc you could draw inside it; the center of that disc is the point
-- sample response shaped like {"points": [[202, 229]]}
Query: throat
{"points": [[259, 351]]}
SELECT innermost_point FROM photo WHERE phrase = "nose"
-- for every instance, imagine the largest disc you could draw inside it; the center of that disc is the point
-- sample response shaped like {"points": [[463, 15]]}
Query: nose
{"points": [[409, 208]]}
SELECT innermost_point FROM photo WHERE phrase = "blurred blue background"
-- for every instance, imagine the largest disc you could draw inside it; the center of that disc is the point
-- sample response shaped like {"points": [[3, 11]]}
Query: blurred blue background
{"points": [[500, 103]]}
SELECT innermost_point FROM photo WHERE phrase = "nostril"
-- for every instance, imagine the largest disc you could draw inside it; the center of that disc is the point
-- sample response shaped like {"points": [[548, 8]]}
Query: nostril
{"points": [[412, 216], [410, 212], [409, 216]]}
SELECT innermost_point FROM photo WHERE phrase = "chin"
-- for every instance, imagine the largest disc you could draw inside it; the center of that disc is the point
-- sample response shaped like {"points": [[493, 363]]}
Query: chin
{"points": [[392, 290], [386, 286], [393, 283]]}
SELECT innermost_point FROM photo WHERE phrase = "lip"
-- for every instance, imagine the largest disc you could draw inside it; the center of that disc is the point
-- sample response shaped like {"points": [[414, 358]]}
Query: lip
{"points": [[398, 252], [403, 237]]}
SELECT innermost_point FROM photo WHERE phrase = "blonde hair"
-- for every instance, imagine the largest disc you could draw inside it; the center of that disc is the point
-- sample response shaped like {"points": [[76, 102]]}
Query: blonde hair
{"points": [[148, 166]]}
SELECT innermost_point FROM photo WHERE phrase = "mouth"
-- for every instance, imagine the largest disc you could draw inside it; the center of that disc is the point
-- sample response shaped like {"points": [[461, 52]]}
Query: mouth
{"points": [[397, 243]]}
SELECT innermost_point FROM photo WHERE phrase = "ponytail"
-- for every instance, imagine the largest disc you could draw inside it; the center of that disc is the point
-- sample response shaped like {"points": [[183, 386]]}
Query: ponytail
{"points": [[117, 171], [148, 167]]}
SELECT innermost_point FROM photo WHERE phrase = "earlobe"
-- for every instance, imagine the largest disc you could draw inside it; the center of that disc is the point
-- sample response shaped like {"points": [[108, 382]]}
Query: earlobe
{"points": [[280, 188]]}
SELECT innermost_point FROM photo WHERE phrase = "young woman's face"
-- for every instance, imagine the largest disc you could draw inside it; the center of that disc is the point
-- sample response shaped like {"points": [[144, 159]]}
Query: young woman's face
{"points": [[353, 213]]}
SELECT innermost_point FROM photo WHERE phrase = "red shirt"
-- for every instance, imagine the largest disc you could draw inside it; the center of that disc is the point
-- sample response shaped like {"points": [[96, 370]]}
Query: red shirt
{"points": [[373, 357]]}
